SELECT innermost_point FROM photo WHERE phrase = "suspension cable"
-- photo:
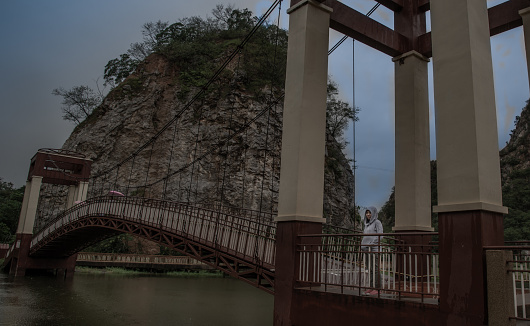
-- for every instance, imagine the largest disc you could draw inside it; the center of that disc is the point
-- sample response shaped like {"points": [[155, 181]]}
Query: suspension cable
{"points": [[204, 88], [368, 14]]}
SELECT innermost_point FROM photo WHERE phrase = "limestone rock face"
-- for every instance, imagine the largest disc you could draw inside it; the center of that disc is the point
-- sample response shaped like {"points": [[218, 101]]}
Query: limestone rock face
{"points": [[515, 156], [191, 159]]}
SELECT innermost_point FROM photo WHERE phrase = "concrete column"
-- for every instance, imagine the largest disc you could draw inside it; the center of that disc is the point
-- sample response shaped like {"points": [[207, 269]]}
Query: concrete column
{"points": [[413, 181], [77, 193], [72, 190], [82, 191], [525, 14], [466, 125], [469, 184], [24, 208], [303, 147], [33, 201], [304, 118]]}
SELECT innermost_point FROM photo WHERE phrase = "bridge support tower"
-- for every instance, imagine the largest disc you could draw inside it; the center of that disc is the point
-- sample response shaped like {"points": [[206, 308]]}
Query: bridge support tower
{"points": [[470, 210], [301, 194], [52, 167]]}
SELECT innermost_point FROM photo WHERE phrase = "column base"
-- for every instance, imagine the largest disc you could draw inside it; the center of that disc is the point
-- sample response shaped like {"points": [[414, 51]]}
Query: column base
{"points": [[287, 264], [21, 262], [463, 287]]}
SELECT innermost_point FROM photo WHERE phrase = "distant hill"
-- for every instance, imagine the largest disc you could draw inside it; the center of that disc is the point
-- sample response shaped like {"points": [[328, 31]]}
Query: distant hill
{"points": [[157, 87], [515, 173]]}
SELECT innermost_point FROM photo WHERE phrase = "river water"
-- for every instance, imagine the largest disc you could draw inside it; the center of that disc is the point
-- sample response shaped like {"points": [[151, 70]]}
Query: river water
{"points": [[113, 299]]}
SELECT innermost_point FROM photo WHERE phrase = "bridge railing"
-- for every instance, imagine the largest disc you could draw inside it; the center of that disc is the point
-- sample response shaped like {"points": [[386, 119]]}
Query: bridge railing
{"points": [[395, 269], [251, 237], [135, 258]]}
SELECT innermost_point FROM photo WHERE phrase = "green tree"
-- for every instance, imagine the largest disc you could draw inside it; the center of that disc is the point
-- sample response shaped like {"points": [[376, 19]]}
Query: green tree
{"points": [[338, 114], [116, 70], [118, 244], [78, 102], [198, 46], [388, 211], [10, 204], [387, 215], [516, 196]]}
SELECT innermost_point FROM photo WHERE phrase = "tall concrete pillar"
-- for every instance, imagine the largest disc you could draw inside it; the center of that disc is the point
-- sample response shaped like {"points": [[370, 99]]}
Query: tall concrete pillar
{"points": [[300, 207], [77, 193], [469, 184], [82, 191], [413, 182], [25, 226], [304, 122], [24, 208], [525, 14], [32, 203], [72, 190]]}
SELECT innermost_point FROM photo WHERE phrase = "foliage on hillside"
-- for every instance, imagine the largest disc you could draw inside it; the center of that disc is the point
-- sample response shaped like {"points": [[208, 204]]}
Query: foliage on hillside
{"points": [[516, 196], [388, 211], [515, 168], [515, 171], [10, 204], [198, 46]]}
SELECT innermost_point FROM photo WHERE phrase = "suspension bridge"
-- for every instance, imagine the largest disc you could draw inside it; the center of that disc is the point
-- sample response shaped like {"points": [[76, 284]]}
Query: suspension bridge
{"points": [[269, 230]]}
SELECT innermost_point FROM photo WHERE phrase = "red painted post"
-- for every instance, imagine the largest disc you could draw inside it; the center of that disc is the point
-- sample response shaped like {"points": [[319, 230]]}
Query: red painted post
{"points": [[287, 267], [463, 287]]}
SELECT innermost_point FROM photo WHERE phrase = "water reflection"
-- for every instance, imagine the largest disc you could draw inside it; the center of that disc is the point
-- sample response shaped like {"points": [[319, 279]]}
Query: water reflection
{"points": [[110, 299]]}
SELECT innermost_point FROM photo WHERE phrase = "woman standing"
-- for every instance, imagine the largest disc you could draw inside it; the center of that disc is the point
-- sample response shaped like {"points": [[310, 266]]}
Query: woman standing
{"points": [[370, 244]]}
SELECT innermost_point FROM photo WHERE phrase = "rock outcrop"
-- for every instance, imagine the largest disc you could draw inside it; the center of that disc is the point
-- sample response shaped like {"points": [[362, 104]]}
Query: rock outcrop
{"points": [[243, 172], [515, 155]]}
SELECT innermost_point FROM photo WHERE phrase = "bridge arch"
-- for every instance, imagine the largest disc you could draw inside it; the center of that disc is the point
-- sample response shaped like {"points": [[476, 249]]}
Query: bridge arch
{"points": [[238, 242]]}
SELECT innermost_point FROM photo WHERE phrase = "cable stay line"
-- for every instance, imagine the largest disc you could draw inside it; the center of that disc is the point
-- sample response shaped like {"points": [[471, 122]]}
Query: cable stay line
{"points": [[203, 88], [368, 14]]}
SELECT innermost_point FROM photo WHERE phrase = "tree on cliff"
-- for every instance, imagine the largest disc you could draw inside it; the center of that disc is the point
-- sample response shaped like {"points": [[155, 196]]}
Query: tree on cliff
{"points": [[338, 114], [118, 69], [78, 102], [10, 204]]}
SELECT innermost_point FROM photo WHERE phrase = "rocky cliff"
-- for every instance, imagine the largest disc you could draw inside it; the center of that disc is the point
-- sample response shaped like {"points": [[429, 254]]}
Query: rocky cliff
{"points": [[516, 154], [140, 106], [515, 172]]}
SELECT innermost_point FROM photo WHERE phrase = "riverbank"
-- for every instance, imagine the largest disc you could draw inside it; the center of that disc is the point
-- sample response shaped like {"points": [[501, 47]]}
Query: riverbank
{"points": [[108, 298], [125, 271]]}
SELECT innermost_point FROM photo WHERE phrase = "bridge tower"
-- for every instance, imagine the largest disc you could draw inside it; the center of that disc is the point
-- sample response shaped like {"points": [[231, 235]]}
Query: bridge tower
{"points": [[469, 190], [300, 202], [52, 167]]}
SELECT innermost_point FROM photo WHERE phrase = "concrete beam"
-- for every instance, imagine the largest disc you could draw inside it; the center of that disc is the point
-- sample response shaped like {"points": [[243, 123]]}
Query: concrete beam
{"points": [[505, 16], [394, 5], [354, 24]]}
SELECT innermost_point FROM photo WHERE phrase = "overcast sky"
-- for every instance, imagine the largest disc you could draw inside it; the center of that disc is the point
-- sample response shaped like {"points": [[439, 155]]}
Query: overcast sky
{"points": [[65, 43]]}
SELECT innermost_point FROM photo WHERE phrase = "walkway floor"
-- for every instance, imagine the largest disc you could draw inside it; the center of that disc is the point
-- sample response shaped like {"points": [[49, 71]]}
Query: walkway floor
{"points": [[383, 294]]}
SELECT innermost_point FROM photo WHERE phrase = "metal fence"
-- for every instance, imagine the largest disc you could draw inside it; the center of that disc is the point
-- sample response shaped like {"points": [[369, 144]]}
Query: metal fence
{"points": [[136, 258], [252, 236], [399, 268]]}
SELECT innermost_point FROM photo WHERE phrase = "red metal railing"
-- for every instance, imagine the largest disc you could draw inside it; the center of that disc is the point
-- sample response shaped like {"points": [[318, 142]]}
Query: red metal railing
{"points": [[250, 236], [339, 263], [134, 258]]}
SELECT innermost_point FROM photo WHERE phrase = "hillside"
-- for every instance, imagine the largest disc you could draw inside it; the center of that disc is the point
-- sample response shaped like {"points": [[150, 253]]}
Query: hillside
{"points": [[163, 83], [515, 173]]}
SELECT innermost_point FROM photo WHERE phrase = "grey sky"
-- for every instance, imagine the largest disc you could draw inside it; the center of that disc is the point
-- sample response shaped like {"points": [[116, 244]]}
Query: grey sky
{"points": [[60, 43]]}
